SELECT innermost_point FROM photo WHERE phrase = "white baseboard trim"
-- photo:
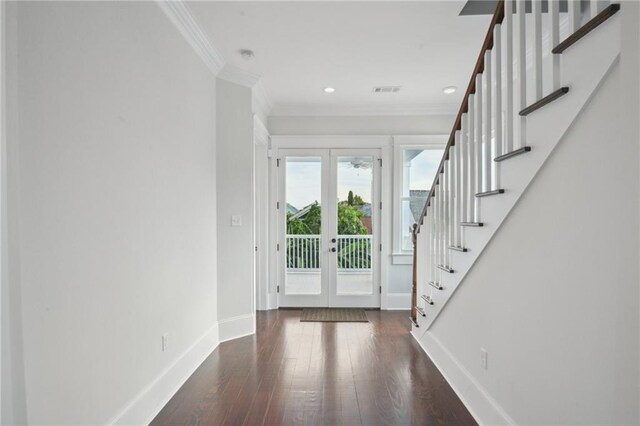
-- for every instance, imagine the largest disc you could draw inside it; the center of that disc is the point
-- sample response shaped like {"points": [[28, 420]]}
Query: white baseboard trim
{"points": [[398, 302], [235, 327], [153, 397], [484, 409]]}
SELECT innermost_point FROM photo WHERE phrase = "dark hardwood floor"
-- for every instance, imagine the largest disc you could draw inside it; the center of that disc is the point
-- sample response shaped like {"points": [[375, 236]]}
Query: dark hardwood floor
{"points": [[318, 373]]}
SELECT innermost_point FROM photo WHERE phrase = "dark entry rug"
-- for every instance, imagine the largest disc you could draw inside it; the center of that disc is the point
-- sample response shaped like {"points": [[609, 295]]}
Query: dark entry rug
{"points": [[333, 315]]}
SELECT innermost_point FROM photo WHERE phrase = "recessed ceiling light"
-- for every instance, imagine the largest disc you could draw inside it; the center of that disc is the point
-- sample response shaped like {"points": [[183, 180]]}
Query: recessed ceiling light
{"points": [[247, 54], [450, 89], [329, 90]]}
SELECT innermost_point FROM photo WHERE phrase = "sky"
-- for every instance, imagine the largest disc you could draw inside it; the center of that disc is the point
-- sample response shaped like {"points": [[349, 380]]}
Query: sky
{"points": [[304, 186], [303, 182], [423, 168]]}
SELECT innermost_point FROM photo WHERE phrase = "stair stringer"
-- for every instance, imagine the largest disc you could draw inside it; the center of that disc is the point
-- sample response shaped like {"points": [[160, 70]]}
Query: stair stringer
{"points": [[583, 72]]}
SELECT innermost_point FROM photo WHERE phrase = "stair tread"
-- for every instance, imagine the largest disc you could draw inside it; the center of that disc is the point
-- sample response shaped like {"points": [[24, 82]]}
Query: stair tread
{"points": [[513, 153], [478, 224], [587, 28], [435, 285], [544, 101], [445, 268], [488, 193]]}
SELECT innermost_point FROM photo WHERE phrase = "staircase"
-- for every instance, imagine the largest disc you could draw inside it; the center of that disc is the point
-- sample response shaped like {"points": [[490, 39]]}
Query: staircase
{"points": [[536, 71]]}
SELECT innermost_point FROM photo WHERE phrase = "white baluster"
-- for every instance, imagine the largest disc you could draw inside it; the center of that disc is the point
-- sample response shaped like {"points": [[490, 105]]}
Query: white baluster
{"points": [[432, 226], [574, 16], [438, 219], [464, 170], [507, 24], [458, 189], [554, 10], [443, 221], [486, 125], [537, 50], [471, 148], [478, 140], [447, 217], [521, 89], [497, 112], [594, 8], [450, 209]]}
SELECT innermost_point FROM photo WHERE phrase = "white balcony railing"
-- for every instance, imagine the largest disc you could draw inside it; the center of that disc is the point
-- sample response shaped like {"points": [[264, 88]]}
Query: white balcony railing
{"points": [[353, 252]]}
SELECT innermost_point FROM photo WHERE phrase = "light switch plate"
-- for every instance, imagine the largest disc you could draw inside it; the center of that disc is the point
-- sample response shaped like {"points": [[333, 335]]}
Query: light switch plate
{"points": [[236, 220]]}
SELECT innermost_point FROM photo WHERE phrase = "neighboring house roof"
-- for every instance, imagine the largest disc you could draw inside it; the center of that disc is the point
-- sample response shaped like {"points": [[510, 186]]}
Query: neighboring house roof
{"points": [[303, 211], [291, 209], [365, 209], [417, 199]]}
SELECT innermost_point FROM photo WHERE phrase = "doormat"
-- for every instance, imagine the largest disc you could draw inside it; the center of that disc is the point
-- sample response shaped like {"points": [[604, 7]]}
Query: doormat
{"points": [[333, 315]]}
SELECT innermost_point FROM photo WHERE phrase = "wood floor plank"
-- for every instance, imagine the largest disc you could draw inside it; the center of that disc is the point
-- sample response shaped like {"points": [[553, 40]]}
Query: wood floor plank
{"points": [[293, 373]]}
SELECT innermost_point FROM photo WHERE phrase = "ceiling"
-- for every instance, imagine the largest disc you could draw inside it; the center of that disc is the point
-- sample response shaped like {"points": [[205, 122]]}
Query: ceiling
{"points": [[302, 47]]}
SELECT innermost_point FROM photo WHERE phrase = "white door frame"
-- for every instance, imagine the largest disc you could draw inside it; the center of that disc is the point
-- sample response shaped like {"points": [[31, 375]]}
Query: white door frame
{"points": [[329, 176], [321, 299], [366, 301], [382, 142], [260, 214]]}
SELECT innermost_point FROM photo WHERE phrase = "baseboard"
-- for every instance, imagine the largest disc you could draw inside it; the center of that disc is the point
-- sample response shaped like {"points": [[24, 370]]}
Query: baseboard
{"points": [[398, 302], [484, 409], [148, 403], [235, 327]]}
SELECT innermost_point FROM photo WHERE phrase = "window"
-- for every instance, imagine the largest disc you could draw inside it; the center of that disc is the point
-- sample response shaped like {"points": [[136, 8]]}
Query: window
{"points": [[415, 168]]}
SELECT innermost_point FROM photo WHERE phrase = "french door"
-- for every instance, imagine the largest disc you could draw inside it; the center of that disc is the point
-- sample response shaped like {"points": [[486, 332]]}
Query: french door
{"points": [[329, 226]]}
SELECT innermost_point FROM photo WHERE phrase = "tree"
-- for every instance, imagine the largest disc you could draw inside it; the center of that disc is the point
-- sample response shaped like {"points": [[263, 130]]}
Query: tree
{"points": [[313, 219], [357, 201], [349, 222], [350, 198], [309, 224]]}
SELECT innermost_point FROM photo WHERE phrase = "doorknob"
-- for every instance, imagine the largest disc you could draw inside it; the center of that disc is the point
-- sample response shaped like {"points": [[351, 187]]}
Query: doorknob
{"points": [[333, 240], [333, 249]]}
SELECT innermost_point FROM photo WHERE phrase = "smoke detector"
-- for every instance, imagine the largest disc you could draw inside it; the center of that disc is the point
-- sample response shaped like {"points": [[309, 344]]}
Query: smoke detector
{"points": [[386, 89]]}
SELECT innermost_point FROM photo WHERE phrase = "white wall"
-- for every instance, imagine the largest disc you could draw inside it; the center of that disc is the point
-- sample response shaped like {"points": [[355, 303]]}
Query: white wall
{"points": [[630, 70], [554, 296], [112, 237], [13, 407], [235, 198], [361, 125]]}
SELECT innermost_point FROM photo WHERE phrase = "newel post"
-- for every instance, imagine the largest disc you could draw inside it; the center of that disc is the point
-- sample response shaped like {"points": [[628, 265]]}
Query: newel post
{"points": [[414, 286]]}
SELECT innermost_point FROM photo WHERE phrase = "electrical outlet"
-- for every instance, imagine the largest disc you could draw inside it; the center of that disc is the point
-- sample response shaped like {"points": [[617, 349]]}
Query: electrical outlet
{"points": [[484, 358], [165, 341]]}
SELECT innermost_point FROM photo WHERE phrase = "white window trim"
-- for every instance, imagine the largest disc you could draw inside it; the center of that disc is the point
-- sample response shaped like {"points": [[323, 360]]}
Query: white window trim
{"points": [[405, 257]]}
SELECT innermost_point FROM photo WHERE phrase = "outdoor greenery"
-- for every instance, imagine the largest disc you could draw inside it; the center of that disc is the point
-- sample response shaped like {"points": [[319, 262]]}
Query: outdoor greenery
{"points": [[350, 252]]}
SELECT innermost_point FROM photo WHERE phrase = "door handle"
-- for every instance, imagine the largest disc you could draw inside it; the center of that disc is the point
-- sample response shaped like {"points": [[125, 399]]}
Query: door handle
{"points": [[333, 240], [333, 249]]}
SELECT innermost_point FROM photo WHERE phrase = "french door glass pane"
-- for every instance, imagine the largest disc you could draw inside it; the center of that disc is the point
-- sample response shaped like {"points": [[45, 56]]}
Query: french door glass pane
{"points": [[304, 217], [354, 273]]}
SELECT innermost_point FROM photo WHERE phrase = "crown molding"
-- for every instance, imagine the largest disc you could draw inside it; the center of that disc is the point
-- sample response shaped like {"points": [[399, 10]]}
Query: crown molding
{"points": [[179, 14], [260, 132], [183, 20], [261, 102], [362, 110], [239, 76]]}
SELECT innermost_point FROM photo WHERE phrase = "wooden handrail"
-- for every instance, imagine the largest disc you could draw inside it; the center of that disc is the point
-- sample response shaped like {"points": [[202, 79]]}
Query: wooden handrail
{"points": [[498, 16]]}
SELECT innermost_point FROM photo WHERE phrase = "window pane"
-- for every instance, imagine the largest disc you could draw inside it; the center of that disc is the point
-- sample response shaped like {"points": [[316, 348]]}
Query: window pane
{"points": [[354, 233], [304, 217], [419, 169]]}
